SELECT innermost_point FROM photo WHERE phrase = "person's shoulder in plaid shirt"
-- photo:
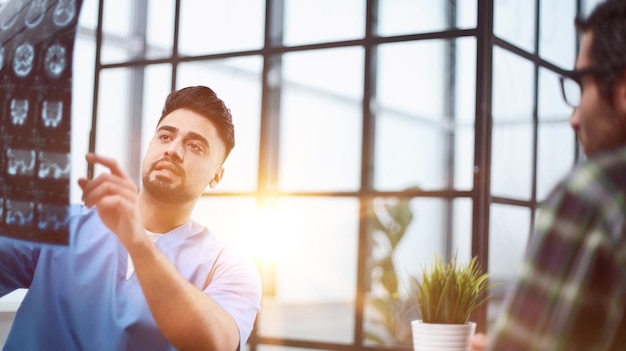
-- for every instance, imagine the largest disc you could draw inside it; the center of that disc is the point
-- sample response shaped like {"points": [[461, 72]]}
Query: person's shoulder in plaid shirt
{"points": [[570, 294]]}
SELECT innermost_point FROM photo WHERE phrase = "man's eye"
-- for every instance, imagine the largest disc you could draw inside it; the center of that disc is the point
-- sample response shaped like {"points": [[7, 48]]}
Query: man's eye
{"points": [[196, 147], [164, 137]]}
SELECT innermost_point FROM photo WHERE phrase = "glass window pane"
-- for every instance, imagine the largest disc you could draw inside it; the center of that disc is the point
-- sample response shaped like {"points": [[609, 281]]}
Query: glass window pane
{"points": [[557, 39], [118, 41], [160, 28], [122, 42], [114, 115], [321, 116], [555, 156], [415, 130], [557, 140], [409, 152], [508, 238], [512, 143], [465, 80], [407, 233], [88, 17], [314, 266], [113, 51], [511, 156], [410, 109], [237, 81], [464, 112], [466, 13], [464, 157], [212, 26], [412, 79], [462, 229], [117, 17], [550, 105], [397, 17], [223, 216], [157, 85], [316, 21], [509, 17]]}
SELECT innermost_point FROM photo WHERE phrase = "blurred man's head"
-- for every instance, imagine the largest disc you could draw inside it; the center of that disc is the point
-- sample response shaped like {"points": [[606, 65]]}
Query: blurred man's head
{"points": [[599, 118]]}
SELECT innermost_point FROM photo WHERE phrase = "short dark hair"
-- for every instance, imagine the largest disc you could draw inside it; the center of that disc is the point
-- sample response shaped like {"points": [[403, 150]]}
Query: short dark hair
{"points": [[607, 22], [204, 101]]}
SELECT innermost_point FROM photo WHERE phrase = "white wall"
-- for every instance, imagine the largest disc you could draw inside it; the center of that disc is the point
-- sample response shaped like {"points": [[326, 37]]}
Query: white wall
{"points": [[8, 305]]}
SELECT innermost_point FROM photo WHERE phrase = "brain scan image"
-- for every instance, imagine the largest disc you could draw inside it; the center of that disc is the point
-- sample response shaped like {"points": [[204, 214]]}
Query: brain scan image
{"points": [[54, 165], [19, 111], [21, 162], [53, 217], [23, 59], [20, 213], [35, 13], [64, 12], [52, 113], [37, 41], [55, 61]]}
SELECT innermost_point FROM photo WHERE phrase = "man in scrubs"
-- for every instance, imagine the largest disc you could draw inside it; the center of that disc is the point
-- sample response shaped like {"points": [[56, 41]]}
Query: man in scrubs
{"points": [[139, 273]]}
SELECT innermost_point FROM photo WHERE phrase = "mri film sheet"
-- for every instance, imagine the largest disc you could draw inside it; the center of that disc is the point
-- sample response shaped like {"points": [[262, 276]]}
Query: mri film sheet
{"points": [[36, 49]]}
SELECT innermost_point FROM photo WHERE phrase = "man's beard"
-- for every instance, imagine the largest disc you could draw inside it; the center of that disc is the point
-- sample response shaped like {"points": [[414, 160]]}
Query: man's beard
{"points": [[163, 190]]}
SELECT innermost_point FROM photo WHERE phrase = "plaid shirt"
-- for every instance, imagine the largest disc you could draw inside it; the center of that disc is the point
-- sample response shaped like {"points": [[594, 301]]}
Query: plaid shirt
{"points": [[571, 292]]}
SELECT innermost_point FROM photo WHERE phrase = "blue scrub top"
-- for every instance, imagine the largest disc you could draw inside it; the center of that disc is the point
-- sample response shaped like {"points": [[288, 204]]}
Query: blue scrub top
{"points": [[79, 298]]}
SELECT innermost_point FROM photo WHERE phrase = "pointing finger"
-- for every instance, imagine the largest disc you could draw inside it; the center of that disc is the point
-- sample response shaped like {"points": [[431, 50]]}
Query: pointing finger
{"points": [[110, 163]]}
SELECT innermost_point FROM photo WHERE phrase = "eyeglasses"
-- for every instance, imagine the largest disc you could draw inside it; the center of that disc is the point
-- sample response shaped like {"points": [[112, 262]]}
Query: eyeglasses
{"points": [[571, 86]]}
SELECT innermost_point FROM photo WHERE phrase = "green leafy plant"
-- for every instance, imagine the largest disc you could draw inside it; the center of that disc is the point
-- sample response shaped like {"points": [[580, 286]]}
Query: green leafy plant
{"points": [[448, 292], [389, 314]]}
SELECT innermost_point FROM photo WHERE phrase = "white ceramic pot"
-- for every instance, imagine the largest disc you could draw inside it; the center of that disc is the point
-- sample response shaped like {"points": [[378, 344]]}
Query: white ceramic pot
{"points": [[441, 337]]}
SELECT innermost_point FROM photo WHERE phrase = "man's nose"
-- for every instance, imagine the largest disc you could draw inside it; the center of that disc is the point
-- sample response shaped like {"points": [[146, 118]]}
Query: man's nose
{"points": [[175, 149], [574, 119]]}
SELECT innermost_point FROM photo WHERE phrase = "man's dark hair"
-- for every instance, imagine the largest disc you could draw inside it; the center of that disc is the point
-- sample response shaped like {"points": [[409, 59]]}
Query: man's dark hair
{"points": [[607, 22], [204, 101]]}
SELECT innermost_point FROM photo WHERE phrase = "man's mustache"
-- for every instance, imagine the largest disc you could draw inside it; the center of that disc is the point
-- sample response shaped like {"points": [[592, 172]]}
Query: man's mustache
{"points": [[168, 163]]}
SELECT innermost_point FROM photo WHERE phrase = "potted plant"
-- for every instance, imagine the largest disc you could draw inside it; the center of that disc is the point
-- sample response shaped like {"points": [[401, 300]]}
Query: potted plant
{"points": [[447, 293]]}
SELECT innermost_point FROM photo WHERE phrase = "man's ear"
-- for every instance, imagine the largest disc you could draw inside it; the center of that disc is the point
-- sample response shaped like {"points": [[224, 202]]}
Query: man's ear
{"points": [[217, 177]]}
